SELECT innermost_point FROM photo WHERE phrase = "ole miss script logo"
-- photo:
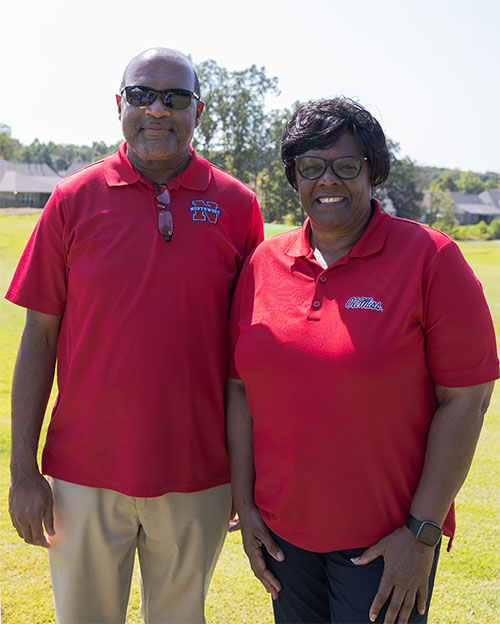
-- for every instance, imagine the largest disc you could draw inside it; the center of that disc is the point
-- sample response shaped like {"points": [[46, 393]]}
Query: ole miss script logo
{"points": [[204, 210], [364, 303]]}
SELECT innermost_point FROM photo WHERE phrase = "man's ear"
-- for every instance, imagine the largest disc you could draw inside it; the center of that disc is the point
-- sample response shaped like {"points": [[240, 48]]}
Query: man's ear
{"points": [[119, 104], [199, 110]]}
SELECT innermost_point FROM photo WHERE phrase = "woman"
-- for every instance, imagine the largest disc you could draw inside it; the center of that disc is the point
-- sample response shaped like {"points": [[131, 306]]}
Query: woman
{"points": [[364, 360]]}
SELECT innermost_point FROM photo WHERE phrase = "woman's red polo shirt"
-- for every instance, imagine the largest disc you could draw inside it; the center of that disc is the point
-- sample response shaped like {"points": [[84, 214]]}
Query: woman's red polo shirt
{"points": [[340, 366]]}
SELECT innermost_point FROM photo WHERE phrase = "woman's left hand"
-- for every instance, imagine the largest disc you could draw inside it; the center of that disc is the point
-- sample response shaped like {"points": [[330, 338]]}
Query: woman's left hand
{"points": [[407, 565]]}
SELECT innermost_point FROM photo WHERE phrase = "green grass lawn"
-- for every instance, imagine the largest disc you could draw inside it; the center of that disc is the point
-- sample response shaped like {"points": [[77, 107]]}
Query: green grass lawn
{"points": [[468, 584]]}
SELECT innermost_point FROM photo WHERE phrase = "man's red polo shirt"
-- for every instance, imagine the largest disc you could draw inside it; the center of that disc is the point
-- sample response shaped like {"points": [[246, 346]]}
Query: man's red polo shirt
{"points": [[142, 350], [340, 366]]}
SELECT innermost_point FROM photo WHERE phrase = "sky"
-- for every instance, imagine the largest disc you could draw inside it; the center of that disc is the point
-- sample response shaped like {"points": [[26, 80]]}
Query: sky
{"points": [[428, 70]]}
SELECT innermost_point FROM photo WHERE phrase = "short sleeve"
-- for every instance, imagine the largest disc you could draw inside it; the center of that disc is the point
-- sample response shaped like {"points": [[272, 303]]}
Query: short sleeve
{"points": [[234, 327], [241, 311], [255, 234], [40, 280], [459, 335]]}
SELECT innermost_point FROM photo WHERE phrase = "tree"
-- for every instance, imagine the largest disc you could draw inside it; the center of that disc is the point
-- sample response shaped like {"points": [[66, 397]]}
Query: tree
{"points": [[447, 221], [444, 182], [401, 185], [57, 156], [8, 146], [469, 182], [38, 153], [232, 131], [277, 199], [207, 139], [441, 207], [491, 180]]}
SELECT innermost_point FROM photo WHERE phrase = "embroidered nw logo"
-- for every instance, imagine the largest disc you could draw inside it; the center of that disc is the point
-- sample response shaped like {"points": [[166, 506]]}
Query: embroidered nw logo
{"points": [[204, 210]]}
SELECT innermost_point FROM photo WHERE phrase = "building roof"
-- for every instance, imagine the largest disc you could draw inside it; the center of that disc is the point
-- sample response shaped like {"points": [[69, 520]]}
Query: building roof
{"points": [[33, 169], [464, 198], [486, 203], [479, 208], [27, 177], [491, 196], [76, 166]]}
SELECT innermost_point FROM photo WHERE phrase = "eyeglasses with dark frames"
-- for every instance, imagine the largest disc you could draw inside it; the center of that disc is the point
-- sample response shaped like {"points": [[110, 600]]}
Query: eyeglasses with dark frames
{"points": [[165, 216], [344, 167], [171, 98]]}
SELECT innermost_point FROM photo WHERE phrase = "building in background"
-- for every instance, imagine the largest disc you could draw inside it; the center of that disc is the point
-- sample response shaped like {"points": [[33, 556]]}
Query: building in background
{"points": [[29, 184], [470, 209]]}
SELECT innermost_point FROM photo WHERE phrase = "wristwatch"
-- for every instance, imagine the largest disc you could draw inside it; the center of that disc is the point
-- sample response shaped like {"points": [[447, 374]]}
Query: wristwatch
{"points": [[429, 533]]}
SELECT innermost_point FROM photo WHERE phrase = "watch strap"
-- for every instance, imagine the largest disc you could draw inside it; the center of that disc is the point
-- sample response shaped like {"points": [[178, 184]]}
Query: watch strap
{"points": [[420, 529]]}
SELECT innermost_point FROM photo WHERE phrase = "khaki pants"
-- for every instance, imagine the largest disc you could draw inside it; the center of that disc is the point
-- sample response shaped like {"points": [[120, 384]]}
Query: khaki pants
{"points": [[178, 538]]}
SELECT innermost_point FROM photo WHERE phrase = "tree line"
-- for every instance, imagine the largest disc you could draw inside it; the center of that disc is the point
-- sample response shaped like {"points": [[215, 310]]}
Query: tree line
{"points": [[238, 134], [58, 156]]}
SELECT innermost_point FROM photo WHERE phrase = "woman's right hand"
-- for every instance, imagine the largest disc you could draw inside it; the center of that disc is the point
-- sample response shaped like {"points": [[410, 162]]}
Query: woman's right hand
{"points": [[255, 534]]}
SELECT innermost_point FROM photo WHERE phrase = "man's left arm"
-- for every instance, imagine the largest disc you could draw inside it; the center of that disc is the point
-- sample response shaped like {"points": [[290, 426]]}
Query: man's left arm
{"points": [[450, 448], [255, 229]]}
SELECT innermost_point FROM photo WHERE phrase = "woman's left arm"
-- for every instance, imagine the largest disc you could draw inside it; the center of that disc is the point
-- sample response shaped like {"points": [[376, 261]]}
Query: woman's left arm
{"points": [[450, 448], [451, 443]]}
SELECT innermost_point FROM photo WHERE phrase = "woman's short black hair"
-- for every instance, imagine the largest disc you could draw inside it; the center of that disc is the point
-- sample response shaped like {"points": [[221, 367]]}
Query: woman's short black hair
{"points": [[318, 125]]}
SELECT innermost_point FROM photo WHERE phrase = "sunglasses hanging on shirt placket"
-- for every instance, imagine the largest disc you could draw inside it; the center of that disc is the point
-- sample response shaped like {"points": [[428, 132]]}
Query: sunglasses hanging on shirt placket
{"points": [[165, 216]]}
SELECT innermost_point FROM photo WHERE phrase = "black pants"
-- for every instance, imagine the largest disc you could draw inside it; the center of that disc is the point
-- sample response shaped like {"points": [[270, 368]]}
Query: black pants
{"points": [[329, 588]]}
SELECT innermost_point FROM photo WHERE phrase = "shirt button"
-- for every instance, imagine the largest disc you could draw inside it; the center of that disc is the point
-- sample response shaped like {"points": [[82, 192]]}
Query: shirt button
{"points": [[322, 278], [316, 303]]}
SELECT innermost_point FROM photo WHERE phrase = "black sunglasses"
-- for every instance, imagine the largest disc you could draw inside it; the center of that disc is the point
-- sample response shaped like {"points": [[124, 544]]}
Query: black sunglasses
{"points": [[165, 216], [171, 98], [344, 167]]}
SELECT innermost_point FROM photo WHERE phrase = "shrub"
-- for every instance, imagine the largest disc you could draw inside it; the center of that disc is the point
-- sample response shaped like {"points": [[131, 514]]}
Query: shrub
{"points": [[291, 219], [477, 232], [494, 229]]}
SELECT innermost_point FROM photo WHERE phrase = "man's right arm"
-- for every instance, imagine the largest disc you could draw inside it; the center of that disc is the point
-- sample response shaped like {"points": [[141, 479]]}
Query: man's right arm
{"points": [[30, 497]]}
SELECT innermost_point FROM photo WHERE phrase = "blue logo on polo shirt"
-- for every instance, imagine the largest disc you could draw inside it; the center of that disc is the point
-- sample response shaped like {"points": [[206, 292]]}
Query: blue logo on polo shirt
{"points": [[205, 210], [364, 303]]}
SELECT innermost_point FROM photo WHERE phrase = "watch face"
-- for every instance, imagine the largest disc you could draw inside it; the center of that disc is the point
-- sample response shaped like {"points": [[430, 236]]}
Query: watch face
{"points": [[429, 534]]}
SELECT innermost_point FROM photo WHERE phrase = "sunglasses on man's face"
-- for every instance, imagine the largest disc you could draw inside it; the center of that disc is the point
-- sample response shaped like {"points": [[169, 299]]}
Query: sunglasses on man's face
{"points": [[344, 167], [171, 98]]}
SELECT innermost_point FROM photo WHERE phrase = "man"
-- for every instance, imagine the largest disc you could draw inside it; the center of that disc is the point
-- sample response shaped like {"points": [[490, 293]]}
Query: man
{"points": [[127, 279]]}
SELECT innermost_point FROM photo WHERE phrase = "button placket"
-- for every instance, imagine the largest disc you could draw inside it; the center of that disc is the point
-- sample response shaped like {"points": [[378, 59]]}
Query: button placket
{"points": [[317, 299]]}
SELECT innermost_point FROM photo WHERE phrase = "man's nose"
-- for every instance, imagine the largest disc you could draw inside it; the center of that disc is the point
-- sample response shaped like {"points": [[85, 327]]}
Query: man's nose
{"points": [[158, 109]]}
